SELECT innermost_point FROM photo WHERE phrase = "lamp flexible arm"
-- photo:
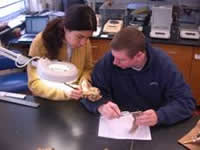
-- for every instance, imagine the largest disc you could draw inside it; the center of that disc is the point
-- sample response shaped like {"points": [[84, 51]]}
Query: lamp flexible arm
{"points": [[20, 60]]}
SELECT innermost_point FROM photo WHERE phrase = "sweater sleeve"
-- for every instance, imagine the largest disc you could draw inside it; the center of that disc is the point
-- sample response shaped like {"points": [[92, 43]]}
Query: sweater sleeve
{"points": [[35, 84], [101, 80], [179, 103]]}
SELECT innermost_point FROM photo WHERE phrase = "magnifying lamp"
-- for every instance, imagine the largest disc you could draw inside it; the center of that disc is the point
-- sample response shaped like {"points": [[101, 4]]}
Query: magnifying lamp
{"points": [[48, 70]]}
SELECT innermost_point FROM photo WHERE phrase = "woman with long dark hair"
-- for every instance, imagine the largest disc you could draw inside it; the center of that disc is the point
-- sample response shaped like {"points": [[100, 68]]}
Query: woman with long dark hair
{"points": [[65, 39]]}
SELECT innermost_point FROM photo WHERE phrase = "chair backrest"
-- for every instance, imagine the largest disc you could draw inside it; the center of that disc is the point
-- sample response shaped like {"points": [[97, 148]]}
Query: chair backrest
{"points": [[6, 63]]}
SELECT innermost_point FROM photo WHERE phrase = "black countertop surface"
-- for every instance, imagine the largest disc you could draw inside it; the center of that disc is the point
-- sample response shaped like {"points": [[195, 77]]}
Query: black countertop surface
{"points": [[68, 126], [60, 125]]}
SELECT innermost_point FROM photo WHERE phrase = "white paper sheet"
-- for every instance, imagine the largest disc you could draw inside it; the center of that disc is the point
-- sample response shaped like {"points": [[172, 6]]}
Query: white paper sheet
{"points": [[120, 129]]}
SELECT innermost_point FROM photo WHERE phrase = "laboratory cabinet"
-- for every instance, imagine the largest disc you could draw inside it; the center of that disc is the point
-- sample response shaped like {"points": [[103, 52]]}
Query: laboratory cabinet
{"points": [[195, 74], [181, 55], [99, 48]]}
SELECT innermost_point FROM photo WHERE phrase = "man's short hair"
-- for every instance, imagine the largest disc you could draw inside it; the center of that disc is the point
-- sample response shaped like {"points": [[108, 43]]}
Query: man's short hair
{"points": [[129, 39]]}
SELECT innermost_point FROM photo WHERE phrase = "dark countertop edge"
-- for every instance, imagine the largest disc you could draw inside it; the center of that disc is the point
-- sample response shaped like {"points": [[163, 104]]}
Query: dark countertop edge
{"points": [[195, 43]]}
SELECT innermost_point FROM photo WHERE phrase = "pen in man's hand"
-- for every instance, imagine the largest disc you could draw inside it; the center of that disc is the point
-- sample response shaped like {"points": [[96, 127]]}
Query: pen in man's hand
{"points": [[116, 112]]}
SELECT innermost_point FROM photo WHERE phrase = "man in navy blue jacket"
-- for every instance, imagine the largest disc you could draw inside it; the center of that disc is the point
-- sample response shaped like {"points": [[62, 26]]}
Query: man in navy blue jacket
{"points": [[134, 76]]}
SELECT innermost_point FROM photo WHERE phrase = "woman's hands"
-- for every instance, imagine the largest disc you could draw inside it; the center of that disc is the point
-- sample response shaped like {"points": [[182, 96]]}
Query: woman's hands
{"points": [[84, 90], [76, 94], [75, 91]]}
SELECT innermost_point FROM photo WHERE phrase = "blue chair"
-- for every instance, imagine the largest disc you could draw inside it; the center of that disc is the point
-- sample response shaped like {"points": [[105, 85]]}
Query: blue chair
{"points": [[11, 79]]}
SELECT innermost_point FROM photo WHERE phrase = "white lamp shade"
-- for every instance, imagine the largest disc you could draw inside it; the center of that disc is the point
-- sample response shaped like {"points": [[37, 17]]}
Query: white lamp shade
{"points": [[57, 71]]}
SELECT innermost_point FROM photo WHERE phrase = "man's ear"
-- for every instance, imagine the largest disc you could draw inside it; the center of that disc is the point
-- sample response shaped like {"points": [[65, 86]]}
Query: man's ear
{"points": [[139, 54]]}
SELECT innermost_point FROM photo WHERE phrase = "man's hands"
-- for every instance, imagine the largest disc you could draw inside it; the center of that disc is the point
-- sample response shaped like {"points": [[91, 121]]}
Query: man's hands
{"points": [[110, 110], [148, 118]]}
